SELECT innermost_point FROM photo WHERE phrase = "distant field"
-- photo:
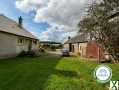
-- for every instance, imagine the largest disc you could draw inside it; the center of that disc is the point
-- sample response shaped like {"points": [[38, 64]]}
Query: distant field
{"points": [[50, 73]]}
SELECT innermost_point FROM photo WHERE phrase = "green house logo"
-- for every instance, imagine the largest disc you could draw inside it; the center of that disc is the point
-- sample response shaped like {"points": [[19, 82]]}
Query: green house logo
{"points": [[102, 73]]}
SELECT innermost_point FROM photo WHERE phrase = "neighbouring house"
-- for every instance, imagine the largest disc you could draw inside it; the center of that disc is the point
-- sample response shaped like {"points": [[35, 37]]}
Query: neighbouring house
{"points": [[14, 38], [77, 44], [82, 45]]}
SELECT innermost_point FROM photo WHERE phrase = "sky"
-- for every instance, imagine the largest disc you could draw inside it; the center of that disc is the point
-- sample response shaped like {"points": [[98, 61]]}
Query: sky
{"points": [[49, 20]]}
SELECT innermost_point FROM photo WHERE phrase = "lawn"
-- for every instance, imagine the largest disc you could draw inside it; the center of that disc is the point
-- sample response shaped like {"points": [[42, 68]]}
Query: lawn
{"points": [[50, 72]]}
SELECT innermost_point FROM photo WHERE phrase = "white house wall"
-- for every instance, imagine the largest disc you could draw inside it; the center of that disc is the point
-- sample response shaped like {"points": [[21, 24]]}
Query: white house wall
{"points": [[25, 45], [35, 46], [22, 46], [7, 45], [82, 48], [79, 48], [10, 47]]}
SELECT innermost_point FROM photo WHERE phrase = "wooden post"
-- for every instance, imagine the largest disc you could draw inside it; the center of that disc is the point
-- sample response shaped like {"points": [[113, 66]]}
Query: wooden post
{"points": [[98, 53]]}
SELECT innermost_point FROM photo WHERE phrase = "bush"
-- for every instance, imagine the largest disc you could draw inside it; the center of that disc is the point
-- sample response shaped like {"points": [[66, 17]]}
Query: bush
{"points": [[33, 53], [22, 53], [41, 50], [53, 48]]}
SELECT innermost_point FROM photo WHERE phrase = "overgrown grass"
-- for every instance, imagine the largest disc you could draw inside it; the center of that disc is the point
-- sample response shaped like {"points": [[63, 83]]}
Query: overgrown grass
{"points": [[50, 73]]}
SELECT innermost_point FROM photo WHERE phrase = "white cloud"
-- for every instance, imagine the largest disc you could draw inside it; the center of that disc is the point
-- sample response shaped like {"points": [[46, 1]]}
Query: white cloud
{"points": [[55, 34], [62, 12], [29, 5], [64, 15]]}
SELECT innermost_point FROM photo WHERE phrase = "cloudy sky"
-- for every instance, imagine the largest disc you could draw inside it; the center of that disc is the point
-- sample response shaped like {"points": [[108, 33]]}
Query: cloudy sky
{"points": [[52, 20]]}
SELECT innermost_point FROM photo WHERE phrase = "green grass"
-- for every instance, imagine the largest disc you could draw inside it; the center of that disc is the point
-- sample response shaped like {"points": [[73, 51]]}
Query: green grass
{"points": [[50, 73]]}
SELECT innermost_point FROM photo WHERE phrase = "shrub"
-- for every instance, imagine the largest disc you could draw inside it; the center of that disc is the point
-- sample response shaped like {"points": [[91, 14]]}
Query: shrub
{"points": [[33, 53], [22, 53], [41, 50], [53, 48]]}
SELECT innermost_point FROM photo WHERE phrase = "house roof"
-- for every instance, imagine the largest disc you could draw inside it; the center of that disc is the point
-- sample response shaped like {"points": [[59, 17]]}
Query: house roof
{"points": [[78, 39], [9, 26]]}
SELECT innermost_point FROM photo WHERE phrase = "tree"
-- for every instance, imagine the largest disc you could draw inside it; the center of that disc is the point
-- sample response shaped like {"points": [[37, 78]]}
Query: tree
{"points": [[103, 25]]}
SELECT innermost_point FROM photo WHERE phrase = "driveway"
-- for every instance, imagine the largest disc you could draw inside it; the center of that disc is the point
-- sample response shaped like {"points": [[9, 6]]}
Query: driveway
{"points": [[57, 52]]}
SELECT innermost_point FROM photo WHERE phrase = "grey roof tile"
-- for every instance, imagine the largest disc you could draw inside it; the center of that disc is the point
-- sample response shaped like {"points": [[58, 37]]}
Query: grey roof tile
{"points": [[78, 39], [9, 26]]}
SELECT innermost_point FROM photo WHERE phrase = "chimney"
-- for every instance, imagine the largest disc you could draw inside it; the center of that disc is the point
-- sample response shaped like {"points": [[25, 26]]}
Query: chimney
{"points": [[20, 21]]}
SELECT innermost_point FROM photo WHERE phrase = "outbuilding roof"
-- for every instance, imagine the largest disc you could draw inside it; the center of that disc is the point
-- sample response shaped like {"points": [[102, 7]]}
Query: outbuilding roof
{"points": [[9, 26], [80, 38]]}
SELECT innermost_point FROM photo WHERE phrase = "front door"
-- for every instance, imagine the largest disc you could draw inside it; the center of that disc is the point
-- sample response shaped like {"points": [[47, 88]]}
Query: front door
{"points": [[30, 45], [70, 47]]}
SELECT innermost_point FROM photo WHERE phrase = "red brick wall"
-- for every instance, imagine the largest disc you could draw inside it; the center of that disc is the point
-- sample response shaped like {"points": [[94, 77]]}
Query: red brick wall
{"points": [[92, 50]]}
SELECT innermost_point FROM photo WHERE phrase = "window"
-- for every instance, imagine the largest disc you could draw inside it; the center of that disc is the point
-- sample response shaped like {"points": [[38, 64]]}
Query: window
{"points": [[35, 41], [20, 40]]}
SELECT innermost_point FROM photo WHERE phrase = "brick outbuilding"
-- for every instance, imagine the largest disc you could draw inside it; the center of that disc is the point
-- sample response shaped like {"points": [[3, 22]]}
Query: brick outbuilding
{"points": [[83, 46]]}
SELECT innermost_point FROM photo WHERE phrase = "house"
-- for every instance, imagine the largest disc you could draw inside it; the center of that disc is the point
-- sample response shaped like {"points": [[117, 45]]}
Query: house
{"points": [[14, 38], [77, 44], [82, 45]]}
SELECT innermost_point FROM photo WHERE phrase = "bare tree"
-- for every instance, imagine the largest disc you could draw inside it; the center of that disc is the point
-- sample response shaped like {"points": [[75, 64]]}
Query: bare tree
{"points": [[102, 23]]}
